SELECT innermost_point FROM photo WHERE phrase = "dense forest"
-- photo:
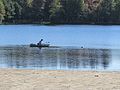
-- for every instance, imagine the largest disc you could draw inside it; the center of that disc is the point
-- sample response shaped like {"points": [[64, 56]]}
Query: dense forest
{"points": [[60, 11]]}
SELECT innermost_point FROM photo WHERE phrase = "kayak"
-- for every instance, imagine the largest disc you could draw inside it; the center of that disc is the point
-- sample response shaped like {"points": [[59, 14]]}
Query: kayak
{"points": [[41, 45]]}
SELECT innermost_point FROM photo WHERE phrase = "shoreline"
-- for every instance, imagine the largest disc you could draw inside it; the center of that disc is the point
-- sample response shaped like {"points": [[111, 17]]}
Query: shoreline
{"points": [[62, 24], [15, 79]]}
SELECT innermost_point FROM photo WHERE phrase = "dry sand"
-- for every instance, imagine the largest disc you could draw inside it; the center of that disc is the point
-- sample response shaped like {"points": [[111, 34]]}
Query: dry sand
{"points": [[58, 80]]}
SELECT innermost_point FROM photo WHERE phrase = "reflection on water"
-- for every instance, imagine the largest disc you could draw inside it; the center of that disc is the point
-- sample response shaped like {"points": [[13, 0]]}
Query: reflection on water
{"points": [[57, 58]]}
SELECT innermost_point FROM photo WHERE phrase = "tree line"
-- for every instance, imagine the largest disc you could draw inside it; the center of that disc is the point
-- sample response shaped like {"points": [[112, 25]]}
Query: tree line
{"points": [[58, 12]]}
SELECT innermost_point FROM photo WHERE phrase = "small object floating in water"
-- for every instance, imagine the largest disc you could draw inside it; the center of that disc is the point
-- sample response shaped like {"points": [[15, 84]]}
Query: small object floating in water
{"points": [[39, 45], [81, 46]]}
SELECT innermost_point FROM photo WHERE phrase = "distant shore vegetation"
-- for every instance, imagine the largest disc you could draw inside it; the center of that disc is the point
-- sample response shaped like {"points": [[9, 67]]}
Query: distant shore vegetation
{"points": [[60, 12]]}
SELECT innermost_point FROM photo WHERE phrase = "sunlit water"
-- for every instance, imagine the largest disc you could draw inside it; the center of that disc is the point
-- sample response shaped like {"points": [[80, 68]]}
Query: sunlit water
{"points": [[101, 47]]}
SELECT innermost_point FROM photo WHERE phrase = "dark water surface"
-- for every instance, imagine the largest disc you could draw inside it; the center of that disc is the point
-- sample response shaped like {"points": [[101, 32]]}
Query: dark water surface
{"points": [[24, 57]]}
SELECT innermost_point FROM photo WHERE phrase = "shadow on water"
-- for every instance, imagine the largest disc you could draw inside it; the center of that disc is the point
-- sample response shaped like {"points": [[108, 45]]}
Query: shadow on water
{"points": [[55, 58]]}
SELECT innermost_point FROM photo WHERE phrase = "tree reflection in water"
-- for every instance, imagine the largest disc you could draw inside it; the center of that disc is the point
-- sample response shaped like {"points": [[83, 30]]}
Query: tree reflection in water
{"points": [[55, 58]]}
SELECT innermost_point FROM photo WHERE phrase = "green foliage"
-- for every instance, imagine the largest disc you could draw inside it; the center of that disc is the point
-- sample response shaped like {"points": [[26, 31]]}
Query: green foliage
{"points": [[72, 10], [18, 11], [104, 12], [67, 11], [2, 11], [55, 11], [10, 10], [59, 11], [37, 10], [117, 10], [47, 10]]}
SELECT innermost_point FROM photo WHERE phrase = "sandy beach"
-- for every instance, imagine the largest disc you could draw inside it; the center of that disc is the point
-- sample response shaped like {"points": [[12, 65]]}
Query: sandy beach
{"points": [[13, 79]]}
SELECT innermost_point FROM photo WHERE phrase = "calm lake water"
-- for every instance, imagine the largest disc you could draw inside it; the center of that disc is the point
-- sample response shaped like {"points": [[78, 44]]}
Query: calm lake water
{"points": [[101, 47], [68, 35]]}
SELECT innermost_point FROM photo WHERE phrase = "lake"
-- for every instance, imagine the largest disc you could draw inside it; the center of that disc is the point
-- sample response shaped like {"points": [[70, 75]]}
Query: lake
{"points": [[62, 35], [101, 47]]}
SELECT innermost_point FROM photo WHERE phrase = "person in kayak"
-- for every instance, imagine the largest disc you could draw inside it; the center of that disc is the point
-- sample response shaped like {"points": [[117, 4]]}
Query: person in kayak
{"points": [[40, 42]]}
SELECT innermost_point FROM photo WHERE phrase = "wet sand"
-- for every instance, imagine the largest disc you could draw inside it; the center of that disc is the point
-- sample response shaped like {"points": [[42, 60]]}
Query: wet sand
{"points": [[12, 79]]}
